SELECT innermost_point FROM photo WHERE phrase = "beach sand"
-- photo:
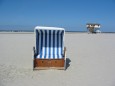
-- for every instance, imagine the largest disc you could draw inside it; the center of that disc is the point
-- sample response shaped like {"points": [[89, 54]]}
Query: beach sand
{"points": [[90, 57]]}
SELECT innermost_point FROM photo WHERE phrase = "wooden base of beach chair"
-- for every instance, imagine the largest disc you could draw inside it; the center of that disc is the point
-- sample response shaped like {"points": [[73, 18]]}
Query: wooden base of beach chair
{"points": [[47, 68], [49, 64]]}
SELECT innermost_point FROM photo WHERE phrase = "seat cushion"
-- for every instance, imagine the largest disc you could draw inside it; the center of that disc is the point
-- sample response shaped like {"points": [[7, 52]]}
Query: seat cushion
{"points": [[50, 56]]}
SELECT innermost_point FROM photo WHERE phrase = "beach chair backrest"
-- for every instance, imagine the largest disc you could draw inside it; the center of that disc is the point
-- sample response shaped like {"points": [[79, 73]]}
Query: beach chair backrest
{"points": [[49, 42]]}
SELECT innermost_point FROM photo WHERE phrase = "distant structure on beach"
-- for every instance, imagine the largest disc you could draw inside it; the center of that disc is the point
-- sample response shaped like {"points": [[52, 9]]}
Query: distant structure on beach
{"points": [[93, 28]]}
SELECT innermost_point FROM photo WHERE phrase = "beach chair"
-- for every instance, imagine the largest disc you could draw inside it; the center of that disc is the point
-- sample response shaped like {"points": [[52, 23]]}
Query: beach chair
{"points": [[49, 52]]}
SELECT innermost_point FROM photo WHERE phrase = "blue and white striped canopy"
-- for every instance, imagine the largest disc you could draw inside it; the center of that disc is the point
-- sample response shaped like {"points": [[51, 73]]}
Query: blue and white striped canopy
{"points": [[49, 42]]}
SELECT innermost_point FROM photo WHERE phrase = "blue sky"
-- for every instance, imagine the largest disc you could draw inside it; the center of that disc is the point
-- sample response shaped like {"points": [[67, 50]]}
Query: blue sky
{"points": [[71, 14]]}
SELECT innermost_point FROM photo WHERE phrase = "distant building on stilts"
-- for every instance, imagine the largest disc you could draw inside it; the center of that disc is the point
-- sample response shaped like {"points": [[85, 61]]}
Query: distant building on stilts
{"points": [[93, 28]]}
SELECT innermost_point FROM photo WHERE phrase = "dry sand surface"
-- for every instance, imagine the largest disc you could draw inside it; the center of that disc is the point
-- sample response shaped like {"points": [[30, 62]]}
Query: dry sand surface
{"points": [[90, 57]]}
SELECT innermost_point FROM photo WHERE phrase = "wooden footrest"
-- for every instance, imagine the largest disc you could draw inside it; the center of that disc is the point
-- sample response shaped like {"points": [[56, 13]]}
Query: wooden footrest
{"points": [[47, 68], [49, 63]]}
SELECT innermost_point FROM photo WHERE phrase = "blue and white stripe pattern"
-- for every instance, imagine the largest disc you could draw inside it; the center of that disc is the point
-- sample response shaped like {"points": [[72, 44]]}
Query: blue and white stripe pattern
{"points": [[49, 44]]}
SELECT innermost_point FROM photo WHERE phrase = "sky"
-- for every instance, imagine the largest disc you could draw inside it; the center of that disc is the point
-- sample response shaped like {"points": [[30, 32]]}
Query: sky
{"points": [[73, 15]]}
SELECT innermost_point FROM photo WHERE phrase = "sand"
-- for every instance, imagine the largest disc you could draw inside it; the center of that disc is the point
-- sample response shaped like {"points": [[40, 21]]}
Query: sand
{"points": [[90, 57]]}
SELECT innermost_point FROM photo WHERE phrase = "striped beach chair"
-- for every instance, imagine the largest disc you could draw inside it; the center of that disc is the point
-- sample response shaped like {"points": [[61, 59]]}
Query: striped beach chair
{"points": [[49, 51]]}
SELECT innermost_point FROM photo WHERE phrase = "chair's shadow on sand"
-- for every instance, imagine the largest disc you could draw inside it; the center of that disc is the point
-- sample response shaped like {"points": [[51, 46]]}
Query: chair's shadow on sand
{"points": [[67, 62]]}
